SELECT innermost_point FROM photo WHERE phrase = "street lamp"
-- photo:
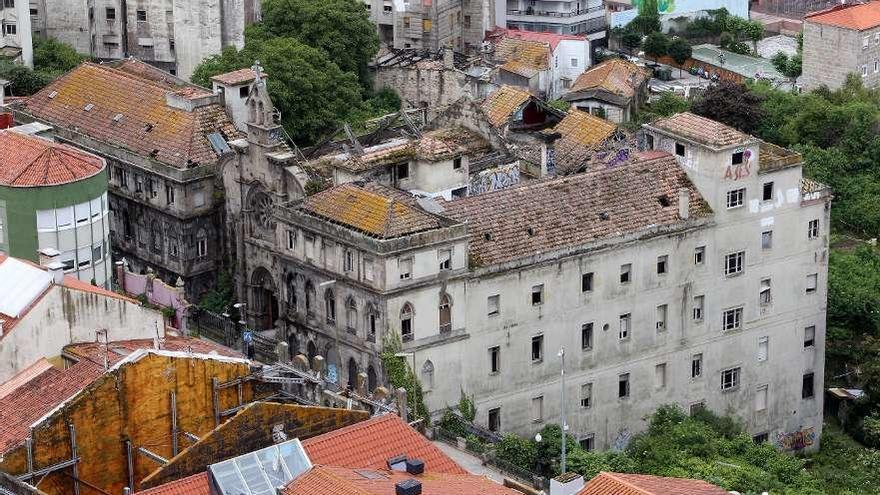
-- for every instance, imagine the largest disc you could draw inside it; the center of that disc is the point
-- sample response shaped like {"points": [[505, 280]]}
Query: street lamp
{"points": [[564, 426]]}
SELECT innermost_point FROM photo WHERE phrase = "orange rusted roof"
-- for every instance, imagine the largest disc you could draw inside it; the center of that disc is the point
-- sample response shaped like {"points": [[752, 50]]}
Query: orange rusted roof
{"points": [[30, 161], [700, 129], [852, 16], [616, 75], [532, 53], [124, 109], [642, 484], [503, 102], [237, 77], [520, 68], [581, 134], [370, 208]]}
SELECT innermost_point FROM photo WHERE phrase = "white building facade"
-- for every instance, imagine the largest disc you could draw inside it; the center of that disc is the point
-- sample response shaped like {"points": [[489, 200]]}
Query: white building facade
{"points": [[15, 32]]}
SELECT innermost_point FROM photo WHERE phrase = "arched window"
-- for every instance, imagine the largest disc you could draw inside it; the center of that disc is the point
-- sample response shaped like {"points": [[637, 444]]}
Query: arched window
{"points": [[312, 352], [201, 243], [445, 314], [310, 298], [372, 380], [292, 345], [156, 237], [351, 315], [330, 305], [291, 292], [352, 373], [372, 322], [406, 323], [428, 375]]}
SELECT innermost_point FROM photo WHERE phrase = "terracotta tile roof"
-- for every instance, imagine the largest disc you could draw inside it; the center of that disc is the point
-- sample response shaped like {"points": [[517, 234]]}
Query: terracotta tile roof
{"points": [[548, 215], [33, 399], [369, 444], [448, 142], [39, 367], [196, 484], [502, 103], [581, 134], [131, 112], [237, 77], [551, 39], [143, 70], [532, 53], [521, 69], [370, 208], [642, 484], [30, 161], [853, 16], [701, 130], [617, 76], [74, 283], [117, 350], [326, 480]]}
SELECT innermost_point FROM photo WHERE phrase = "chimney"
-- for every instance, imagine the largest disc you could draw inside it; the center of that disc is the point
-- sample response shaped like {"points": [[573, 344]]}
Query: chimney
{"points": [[684, 203], [408, 487], [448, 58], [48, 256], [56, 269], [566, 484], [415, 466]]}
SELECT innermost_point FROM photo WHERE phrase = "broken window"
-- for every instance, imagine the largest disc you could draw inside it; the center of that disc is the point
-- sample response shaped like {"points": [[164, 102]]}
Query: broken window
{"points": [[813, 229], [767, 239], [537, 295], [110, 14], [730, 379], [699, 255], [401, 170], [456, 163], [291, 239], [587, 395], [698, 307], [812, 282], [625, 322], [809, 336], [732, 319], [494, 359], [696, 365], [406, 328], [625, 273], [623, 386], [141, 15], [495, 419], [587, 282], [445, 314], [736, 158], [733, 263], [587, 336], [764, 295], [662, 262], [679, 149], [808, 386], [493, 304], [445, 258], [736, 198], [768, 191], [661, 318], [348, 260], [404, 266], [537, 348]]}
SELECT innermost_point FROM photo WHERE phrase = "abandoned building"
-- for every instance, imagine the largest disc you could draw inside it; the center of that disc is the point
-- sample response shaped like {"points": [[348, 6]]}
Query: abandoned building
{"points": [[42, 310], [16, 41], [839, 41], [163, 150], [544, 64], [614, 89], [435, 24], [172, 35]]}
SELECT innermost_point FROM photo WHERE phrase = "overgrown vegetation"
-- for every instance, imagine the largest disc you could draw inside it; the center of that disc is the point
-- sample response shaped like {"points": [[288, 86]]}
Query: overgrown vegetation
{"points": [[219, 298], [401, 374], [51, 59], [315, 53]]}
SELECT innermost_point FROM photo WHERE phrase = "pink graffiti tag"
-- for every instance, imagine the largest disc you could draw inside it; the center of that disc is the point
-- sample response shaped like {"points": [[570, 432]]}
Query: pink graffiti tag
{"points": [[740, 170]]}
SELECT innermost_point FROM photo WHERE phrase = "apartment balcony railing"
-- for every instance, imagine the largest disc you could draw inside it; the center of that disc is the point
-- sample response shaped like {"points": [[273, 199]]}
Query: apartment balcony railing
{"points": [[573, 13]]}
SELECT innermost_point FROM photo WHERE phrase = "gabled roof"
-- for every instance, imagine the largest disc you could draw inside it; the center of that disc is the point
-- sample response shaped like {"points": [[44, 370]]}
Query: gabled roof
{"points": [[117, 350], [642, 484], [369, 444], [520, 68], [237, 77], [532, 53], [701, 130], [503, 102], [370, 208], [30, 161], [125, 110], [617, 76], [580, 134], [544, 216], [850, 16], [326, 480], [551, 39]]}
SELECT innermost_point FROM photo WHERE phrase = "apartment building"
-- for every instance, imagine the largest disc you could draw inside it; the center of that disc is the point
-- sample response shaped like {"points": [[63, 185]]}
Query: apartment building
{"points": [[434, 24], [15, 32], [693, 273], [839, 41], [164, 141], [174, 35], [585, 17]]}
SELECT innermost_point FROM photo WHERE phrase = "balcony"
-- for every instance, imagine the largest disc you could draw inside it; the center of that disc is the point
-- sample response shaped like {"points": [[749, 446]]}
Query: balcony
{"points": [[532, 15]]}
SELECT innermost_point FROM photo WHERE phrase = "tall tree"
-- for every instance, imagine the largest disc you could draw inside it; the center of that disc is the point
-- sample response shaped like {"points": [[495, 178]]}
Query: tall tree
{"points": [[680, 51], [656, 45], [340, 28], [732, 104]]}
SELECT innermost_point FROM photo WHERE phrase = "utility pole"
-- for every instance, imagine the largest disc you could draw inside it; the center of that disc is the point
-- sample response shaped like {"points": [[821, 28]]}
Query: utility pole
{"points": [[563, 425]]}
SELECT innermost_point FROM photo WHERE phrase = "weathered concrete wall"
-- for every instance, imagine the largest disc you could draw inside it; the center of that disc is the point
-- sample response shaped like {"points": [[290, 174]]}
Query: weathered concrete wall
{"points": [[65, 316], [130, 403], [255, 427], [831, 53]]}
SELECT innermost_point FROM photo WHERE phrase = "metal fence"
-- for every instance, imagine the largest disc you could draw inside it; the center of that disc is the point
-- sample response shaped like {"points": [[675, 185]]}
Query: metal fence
{"points": [[224, 331]]}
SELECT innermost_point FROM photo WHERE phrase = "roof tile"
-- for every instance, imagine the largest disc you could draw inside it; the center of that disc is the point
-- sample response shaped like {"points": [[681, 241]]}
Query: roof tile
{"points": [[850, 16], [196, 484], [30, 161], [642, 484], [334, 480], [502, 103], [617, 76], [701, 130]]}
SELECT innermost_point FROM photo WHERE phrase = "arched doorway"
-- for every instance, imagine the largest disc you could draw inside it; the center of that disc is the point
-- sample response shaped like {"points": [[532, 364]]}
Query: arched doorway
{"points": [[352, 373], [372, 379], [263, 300], [292, 345]]}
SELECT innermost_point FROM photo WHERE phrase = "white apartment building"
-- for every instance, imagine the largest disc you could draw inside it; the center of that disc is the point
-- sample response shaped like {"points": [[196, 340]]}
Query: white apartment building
{"points": [[15, 32], [694, 273], [586, 17]]}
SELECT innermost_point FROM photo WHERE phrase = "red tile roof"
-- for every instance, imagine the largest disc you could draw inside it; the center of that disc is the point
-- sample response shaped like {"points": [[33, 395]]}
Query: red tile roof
{"points": [[369, 444], [119, 349], [543, 216], [642, 484], [617, 76], [325, 480], [33, 399], [701, 130], [30, 161], [852, 16], [39, 367], [130, 111], [237, 77], [551, 39], [196, 484]]}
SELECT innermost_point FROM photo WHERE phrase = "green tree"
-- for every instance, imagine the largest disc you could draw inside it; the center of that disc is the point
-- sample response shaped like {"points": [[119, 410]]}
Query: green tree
{"points": [[680, 51], [401, 375], [520, 452], [787, 66], [311, 92], [219, 298], [54, 56], [732, 104], [340, 28], [753, 31], [656, 45]]}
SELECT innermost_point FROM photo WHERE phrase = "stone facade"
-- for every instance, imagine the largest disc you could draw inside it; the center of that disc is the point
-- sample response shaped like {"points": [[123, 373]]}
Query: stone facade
{"points": [[174, 35], [434, 24]]}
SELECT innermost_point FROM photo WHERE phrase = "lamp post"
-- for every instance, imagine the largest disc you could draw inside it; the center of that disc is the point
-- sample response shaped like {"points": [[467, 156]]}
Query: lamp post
{"points": [[564, 426]]}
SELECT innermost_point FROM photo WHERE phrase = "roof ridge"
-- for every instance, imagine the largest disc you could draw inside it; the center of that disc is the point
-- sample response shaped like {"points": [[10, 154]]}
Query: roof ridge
{"points": [[625, 482]]}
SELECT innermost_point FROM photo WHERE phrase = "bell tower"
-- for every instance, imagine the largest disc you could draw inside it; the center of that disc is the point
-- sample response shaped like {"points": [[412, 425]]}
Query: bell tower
{"points": [[263, 127]]}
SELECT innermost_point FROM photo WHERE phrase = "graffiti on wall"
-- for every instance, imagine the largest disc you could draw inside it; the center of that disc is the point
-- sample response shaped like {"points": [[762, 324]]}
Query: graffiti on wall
{"points": [[621, 441], [796, 440], [741, 170], [495, 178]]}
